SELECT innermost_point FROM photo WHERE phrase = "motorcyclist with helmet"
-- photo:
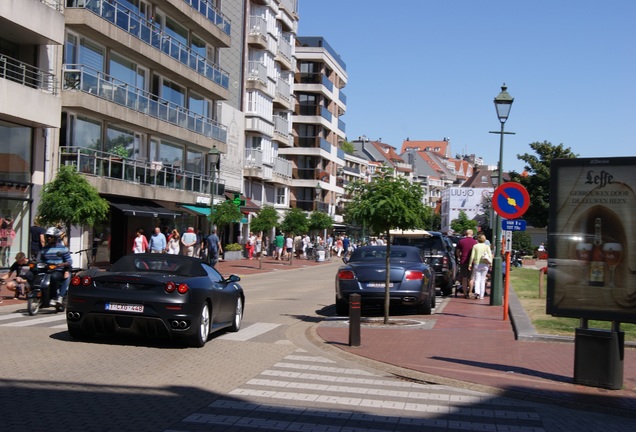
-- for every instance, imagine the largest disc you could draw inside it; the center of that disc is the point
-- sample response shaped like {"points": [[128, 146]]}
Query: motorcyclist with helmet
{"points": [[54, 252]]}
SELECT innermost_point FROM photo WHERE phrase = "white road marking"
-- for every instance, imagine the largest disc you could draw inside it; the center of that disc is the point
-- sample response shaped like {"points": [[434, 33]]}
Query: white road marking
{"points": [[35, 321], [249, 332]]}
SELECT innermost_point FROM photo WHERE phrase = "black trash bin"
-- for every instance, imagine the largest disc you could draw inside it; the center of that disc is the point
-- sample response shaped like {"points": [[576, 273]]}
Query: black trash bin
{"points": [[598, 358]]}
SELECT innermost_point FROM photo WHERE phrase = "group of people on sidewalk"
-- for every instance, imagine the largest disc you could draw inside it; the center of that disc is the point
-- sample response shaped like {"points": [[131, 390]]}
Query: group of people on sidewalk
{"points": [[475, 260], [190, 244]]}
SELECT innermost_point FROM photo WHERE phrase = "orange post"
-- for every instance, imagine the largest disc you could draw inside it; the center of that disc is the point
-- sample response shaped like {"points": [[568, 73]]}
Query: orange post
{"points": [[506, 288]]}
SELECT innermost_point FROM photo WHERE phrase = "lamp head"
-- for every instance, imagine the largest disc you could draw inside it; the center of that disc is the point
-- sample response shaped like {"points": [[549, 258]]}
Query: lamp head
{"points": [[214, 157], [503, 103]]}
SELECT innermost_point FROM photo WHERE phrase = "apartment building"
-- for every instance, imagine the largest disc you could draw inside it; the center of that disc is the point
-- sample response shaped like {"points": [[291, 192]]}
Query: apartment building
{"points": [[316, 156], [31, 32], [269, 101], [134, 94]]}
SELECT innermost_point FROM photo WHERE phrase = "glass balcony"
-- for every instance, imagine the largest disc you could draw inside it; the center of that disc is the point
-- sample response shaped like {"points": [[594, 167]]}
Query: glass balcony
{"points": [[27, 75], [212, 14], [150, 33], [154, 173], [91, 81]]}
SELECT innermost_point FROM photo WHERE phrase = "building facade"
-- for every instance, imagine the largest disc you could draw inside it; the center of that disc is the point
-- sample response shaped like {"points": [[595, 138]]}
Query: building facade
{"points": [[31, 34], [316, 157]]}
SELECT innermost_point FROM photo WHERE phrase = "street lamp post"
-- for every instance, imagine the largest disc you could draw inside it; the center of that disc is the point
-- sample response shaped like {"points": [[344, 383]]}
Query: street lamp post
{"points": [[503, 103], [214, 159]]}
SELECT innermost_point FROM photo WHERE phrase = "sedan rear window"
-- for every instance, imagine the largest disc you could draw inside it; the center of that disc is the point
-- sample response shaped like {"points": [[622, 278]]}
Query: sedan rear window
{"points": [[370, 254]]}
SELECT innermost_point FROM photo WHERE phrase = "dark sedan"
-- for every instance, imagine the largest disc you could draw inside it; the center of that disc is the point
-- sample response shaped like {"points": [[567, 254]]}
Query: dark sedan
{"points": [[412, 282], [173, 296]]}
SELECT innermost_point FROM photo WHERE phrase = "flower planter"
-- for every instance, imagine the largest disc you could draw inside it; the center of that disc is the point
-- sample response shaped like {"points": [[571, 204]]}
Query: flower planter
{"points": [[232, 255]]}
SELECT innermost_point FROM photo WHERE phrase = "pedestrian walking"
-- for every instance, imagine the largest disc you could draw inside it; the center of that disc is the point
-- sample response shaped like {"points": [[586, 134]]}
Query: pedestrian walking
{"points": [[140, 242], [157, 243], [173, 247], [462, 252], [213, 244], [480, 262], [189, 241]]}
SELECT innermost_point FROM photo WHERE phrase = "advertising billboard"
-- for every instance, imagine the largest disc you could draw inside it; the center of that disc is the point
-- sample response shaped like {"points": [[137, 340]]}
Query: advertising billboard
{"points": [[592, 239], [468, 200]]}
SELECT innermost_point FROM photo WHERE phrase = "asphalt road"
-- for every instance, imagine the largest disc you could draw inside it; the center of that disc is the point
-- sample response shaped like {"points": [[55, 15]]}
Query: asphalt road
{"points": [[268, 376]]}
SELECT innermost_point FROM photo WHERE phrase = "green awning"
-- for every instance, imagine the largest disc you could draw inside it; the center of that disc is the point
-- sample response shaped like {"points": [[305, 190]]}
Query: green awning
{"points": [[203, 211]]}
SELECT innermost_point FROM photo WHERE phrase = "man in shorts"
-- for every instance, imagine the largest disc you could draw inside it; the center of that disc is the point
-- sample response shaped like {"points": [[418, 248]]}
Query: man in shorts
{"points": [[462, 251]]}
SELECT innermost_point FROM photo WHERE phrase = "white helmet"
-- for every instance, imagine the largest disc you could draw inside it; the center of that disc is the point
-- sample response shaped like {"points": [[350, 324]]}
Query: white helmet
{"points": [[52, 232]]}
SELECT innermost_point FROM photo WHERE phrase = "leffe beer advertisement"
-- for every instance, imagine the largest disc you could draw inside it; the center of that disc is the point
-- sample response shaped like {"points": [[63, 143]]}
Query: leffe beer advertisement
{"points": [[592, 239]]}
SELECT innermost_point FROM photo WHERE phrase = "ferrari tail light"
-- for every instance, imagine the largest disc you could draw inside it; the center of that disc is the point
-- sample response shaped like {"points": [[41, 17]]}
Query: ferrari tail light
{"points": [[414, 275], [172, 287], [85, 280], [346, 274]]}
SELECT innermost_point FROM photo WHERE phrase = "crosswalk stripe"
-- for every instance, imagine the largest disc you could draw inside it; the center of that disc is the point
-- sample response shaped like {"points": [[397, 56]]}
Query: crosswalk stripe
{"points": [[35, 321], [11, 316], [249, 332]]}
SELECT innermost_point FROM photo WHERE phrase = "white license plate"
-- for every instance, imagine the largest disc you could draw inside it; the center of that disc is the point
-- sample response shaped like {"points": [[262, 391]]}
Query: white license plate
{"points": [[121, 307], [378, 285]]}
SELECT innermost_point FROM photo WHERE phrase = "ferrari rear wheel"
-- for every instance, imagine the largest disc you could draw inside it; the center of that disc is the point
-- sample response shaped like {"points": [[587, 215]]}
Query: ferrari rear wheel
{"points": [[202, 325], [238, 316]]}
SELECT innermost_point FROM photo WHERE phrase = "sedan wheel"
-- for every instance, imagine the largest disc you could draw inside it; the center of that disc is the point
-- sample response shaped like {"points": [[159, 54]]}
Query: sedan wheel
{"points": [[425, 308], [202, 326], [238, 316]]}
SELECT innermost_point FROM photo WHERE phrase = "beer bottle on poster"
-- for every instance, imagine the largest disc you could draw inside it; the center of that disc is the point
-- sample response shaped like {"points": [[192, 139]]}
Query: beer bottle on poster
{"points": [[597, 263]]}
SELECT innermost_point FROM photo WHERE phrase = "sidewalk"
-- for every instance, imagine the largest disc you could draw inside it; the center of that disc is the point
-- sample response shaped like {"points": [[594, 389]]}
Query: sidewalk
{"points": [[470, 343]]}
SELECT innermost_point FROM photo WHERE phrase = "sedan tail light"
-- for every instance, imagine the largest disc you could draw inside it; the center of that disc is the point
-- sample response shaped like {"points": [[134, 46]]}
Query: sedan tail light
{"points": [[414, 275], [346, 274]]}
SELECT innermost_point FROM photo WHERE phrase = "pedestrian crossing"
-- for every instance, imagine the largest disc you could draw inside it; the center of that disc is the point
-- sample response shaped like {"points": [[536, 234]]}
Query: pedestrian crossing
{"points": [[306, 392]]}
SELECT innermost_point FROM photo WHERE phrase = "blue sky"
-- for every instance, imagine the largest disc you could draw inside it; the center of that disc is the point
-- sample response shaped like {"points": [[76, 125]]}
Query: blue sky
{"points": [[429, 69]]}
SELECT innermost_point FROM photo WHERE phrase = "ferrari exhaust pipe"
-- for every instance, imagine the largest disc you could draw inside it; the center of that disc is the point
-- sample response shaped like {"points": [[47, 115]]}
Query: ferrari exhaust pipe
{"points": [[183, 324], [174, 324]]}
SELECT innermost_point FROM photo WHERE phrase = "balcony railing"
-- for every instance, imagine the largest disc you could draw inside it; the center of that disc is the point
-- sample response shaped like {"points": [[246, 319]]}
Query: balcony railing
{"points": [[254, 159], [88, 80], [156, 173], [150, 33], [281, 125], [285, 49], [212, 14], [27, 75], [257, 71], [258, 26], [326, 114], [54, 4], [283, 167]]}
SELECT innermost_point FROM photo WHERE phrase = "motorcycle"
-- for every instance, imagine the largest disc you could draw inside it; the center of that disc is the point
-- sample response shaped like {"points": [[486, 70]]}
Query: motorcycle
{"points": [[40, 294]]}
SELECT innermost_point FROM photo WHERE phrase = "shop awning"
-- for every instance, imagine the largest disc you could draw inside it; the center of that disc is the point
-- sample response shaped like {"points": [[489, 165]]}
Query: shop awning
{"points": [[142, 208], [197, 210]]}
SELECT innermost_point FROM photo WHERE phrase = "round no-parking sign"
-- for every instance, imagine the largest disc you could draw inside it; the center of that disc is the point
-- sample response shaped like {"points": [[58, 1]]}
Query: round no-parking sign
{"points": [[510, 200]]}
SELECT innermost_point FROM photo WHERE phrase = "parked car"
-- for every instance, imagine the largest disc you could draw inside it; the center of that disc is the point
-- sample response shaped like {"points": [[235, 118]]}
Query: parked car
{"points": [[364, 273], [438, 252], [174, 296]]}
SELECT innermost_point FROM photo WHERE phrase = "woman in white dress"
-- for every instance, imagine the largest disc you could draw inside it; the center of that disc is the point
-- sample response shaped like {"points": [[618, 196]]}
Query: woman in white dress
{"points": [[173, 244]]}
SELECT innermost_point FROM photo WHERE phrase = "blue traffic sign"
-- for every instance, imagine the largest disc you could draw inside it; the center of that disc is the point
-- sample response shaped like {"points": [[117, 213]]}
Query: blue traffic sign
{"points": [[513, 225]]}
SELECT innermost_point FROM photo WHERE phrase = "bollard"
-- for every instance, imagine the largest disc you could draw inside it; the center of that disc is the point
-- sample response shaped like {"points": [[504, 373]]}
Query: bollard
{"points": [[354, 320]]}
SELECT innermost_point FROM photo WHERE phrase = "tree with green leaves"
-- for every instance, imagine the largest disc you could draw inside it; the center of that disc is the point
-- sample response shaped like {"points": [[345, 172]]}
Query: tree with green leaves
{"points": [[462, 223], [320, 221], [536, 179], [224, 214], [294, 222], [388, 202], [264, 222], [347, 147], [71, 200], [522, 241]]}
